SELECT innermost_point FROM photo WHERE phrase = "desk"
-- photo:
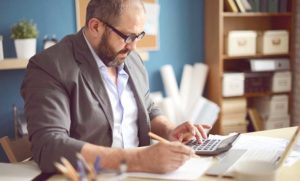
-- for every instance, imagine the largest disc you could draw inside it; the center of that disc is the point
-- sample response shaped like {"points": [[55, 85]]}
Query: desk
{"points": [[285, 173]]}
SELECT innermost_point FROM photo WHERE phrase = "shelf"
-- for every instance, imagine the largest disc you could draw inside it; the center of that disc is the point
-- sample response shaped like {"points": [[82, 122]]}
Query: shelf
{"points": [[226, 57], [263, 94], [259, 14], [13, 63]]}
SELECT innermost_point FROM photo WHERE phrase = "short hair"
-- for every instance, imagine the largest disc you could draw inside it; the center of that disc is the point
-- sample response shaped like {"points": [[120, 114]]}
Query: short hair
{"points": [[108, 11]]}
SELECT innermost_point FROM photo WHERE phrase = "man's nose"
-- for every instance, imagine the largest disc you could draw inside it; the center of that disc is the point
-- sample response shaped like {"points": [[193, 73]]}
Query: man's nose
{"points": [[131, 45]]}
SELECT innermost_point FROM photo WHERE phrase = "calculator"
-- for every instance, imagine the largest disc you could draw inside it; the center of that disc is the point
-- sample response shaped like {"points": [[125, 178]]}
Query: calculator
{"points": [[212, 146]]}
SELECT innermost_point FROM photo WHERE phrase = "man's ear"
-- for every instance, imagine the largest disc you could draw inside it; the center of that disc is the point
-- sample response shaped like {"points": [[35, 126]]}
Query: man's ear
{"points": [[95, 27]]}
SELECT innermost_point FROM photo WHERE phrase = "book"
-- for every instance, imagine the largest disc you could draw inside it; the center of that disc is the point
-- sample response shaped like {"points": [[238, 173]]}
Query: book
{"points": [[263, 6], [273, 6], [255, 4], [234, 105], [256, 119], [283, 5], [240, 6], [230, 6], [246, 5]]}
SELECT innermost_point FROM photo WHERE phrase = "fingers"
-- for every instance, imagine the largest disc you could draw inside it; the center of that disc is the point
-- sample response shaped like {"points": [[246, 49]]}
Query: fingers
{"points": [[186, 131]]}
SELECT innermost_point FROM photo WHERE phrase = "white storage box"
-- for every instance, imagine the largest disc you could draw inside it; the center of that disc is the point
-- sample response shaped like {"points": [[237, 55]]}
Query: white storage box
{"points": [[233, 84], [241, 43], [277, 122], [271, 106], [282, 81], [273, 42]]}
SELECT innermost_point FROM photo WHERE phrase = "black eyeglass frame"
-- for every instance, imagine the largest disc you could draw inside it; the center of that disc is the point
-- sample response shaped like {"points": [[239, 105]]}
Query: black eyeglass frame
{"points": [[127, 38]]}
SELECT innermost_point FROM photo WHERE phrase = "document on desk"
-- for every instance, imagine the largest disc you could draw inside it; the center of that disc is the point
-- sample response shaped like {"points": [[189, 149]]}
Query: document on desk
{"points": [[19, 171], [191, 170]]}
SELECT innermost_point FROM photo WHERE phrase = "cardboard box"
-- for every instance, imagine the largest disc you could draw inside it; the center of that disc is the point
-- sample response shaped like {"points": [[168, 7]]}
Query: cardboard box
{"points": [[273, 42], [233, 84], [241, 43]]}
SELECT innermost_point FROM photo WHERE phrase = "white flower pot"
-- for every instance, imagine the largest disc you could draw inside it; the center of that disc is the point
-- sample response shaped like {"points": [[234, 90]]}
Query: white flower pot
{"points": [[25, 48]]}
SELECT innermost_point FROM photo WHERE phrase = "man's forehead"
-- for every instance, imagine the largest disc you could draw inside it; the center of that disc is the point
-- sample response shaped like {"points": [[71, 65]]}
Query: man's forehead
{"points": [[133, 18]]}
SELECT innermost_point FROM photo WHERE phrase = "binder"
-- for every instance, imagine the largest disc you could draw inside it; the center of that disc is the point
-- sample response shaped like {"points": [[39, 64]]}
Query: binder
{"points": [[259, 65]]}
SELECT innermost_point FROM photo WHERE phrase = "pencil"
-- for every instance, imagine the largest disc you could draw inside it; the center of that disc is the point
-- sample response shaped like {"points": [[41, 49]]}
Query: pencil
{"points": [[158, 138]]}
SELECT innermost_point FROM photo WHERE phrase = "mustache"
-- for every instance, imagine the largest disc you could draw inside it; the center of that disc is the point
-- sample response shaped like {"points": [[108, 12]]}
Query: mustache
{"points": [[124, 51]]}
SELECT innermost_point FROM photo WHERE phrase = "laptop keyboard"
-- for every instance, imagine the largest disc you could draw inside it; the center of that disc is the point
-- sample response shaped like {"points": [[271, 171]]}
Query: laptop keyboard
{"points": [[207, 145]]}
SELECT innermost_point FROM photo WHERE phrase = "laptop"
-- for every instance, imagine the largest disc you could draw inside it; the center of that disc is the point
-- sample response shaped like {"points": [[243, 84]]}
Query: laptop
{"points": [[225, 166]]}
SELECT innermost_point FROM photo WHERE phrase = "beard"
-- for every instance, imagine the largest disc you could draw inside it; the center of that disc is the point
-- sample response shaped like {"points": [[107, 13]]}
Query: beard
{"points": [[108, 54]]}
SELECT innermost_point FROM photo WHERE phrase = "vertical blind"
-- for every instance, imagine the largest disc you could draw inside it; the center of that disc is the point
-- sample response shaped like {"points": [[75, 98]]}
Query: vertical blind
{"points": [[296, 100]]}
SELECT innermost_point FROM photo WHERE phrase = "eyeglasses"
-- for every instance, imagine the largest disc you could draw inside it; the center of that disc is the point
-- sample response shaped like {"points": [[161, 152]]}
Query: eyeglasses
{"points": [[127, 38]]}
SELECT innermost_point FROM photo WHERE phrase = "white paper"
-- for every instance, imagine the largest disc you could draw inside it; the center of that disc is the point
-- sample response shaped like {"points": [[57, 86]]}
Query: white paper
{"points": [[152, 18], [19, 171], [167, 108], [186, 85], [203, 112], [198, 82], [169, 81], [1, 48], [191, 170]]}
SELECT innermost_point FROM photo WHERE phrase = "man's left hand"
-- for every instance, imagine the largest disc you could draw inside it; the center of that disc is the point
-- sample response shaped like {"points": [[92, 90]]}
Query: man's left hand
{"points": [[187, 131]]}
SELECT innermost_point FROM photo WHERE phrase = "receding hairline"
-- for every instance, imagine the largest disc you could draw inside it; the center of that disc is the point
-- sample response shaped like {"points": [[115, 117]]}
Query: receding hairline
{"points": [[110, 11]]}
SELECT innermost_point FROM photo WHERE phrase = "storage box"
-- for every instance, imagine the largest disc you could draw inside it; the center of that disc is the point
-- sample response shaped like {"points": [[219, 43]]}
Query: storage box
{"points": [[277, 122], [273, 42], [258, 82], [271, 106], [282, 81], [241, 43], [233, 84]]}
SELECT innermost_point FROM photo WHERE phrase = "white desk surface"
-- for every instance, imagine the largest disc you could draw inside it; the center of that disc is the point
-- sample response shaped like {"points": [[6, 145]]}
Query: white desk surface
{"points": [[285, 173]]}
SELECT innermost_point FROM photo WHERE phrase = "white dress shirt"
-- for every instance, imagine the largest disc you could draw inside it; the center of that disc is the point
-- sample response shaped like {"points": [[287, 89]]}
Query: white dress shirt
{"points": [[123, 103]]}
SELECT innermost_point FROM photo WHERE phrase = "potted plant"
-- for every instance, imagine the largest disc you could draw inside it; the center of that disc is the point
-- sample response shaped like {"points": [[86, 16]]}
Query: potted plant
{"points": [[24, 34]]}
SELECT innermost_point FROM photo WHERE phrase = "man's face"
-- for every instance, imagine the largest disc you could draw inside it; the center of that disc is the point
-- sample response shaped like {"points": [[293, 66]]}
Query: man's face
{"points": [[111, 55], [112, 48]]}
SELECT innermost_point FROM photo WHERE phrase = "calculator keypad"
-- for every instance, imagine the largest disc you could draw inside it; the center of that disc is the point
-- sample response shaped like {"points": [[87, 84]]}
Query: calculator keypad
{"points": [[207, 145]]}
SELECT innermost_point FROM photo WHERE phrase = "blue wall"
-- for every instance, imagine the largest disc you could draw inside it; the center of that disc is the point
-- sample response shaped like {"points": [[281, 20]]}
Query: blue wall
{"points": [[181, 41]]}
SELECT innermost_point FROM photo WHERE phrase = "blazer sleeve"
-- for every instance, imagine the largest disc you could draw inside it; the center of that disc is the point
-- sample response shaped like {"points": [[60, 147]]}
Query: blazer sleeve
{"points": [[48, 116]]}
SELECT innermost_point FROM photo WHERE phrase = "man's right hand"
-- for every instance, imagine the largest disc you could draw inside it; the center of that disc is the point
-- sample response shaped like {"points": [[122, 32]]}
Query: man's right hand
{"points": [[164, 157]]}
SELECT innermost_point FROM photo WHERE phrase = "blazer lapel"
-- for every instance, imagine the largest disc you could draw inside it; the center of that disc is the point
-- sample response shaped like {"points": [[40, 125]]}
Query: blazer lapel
{"points": [[143, 120], [91, 74]]}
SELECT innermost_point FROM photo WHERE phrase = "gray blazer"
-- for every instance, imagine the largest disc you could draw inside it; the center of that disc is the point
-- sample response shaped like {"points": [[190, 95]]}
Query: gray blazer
{"points": [[67, 105]]}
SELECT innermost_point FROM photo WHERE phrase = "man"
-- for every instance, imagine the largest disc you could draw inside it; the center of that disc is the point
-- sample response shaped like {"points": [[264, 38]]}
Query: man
{"points": [[89, 93]]}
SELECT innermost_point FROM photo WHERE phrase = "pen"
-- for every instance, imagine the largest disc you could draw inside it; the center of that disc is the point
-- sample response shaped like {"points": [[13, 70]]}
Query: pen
{"points": [[156, 137], [82, 174], [97, 165], [161, 139], [91, 172]]}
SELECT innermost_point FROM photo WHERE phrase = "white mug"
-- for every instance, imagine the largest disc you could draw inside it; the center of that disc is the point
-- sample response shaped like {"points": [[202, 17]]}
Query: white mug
{"points": [[255, 170]]}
